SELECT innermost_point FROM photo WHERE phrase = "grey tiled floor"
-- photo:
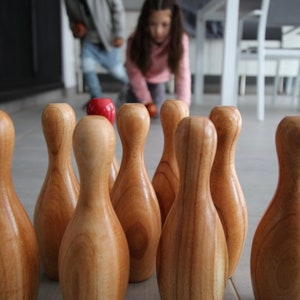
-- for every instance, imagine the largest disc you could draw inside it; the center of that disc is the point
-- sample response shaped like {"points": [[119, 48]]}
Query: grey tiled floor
{"points": [[256, 164]]}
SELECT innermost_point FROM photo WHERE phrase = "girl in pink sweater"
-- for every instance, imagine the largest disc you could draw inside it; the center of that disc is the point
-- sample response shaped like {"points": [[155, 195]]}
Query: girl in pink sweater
{"points": [[158, 48]]}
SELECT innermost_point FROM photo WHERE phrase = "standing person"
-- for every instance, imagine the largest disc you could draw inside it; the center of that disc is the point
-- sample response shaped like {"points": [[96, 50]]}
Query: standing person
{"points": [[155, 50], [100, 25]]}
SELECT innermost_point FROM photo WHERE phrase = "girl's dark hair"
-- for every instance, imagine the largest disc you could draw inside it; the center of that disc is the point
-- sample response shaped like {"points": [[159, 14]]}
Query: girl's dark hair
{"points": [[140, 47]]}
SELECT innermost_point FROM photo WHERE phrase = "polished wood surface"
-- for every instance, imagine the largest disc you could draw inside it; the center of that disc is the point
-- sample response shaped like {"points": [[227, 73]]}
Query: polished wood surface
{"points": [[165, 180], [275, 253], [94, 255], [226, 190], [114, 170], [19, 256], [59, 193], [105, 107], [133, 196], [192, 260]]}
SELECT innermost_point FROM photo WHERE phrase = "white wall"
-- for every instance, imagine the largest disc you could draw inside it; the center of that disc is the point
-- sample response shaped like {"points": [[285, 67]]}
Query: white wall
{"points": [[69, 59]]}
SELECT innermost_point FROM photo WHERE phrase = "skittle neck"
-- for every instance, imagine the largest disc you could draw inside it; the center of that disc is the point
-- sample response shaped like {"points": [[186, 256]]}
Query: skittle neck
{"points": [[58, 121], [94, 145], [195, 146], [133, 124], [288, 152], [227, 121], [172, 111], [7, 144]]}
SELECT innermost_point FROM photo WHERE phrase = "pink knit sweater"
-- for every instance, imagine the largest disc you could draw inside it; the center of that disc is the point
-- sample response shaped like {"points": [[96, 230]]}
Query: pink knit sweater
{"points": [[159, 72]]}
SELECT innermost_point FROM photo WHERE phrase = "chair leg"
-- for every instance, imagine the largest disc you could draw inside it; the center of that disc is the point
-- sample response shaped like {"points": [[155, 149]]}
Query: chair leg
{"points": [[242, 85], [276, 83], [261, 99], [288, 85], [261, 89], [297, 87]]}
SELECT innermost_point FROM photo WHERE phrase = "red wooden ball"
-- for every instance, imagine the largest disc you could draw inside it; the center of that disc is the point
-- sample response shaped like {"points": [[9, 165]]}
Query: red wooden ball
{"points": [[103, 107]]}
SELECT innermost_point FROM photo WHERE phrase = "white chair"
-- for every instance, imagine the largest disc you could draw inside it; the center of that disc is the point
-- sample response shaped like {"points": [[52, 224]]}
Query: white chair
{"points": [[228, 12], [273, 13]]}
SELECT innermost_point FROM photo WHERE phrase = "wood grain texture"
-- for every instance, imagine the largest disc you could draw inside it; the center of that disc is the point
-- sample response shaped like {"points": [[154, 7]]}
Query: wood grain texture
{"points": [[105, 107], [114, 170], [226, 190], [275, 253], [133, 196], [192, 260], [94, 255], [59, 193], [165, 180], [19, 256]]}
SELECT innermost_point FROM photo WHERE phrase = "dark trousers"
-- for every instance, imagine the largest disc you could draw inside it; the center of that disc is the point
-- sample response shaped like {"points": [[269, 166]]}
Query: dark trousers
{"points": [[157, 91]]}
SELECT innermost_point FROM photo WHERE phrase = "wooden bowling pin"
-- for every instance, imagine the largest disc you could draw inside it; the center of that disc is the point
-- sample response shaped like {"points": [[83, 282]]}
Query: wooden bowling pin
{"points": [[275, 253], [226, 190], [114, 170], [19, 256], [192, 260], [133, 196], [94, 255], [165, 180], [105, 107], [58, 196]]}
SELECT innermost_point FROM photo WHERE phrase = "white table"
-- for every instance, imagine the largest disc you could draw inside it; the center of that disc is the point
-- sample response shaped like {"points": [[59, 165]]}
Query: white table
{"points": [[227, 11]]}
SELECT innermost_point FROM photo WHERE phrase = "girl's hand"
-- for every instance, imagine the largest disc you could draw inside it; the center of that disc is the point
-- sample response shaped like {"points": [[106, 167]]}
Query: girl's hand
{"points": [[117, 42], [79, 30]]}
